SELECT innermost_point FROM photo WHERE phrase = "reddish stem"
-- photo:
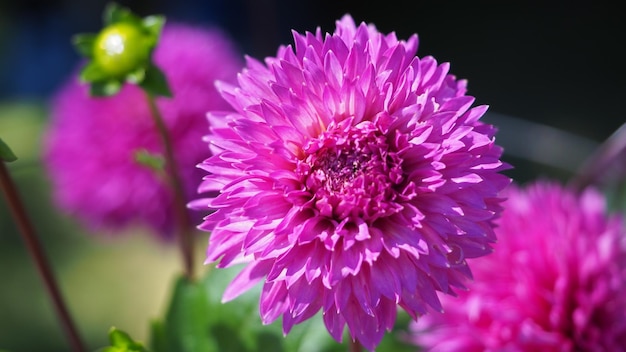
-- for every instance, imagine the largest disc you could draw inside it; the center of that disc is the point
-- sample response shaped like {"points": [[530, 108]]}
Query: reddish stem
{"points": [[355, 346], [36, 251], [184, 223]]}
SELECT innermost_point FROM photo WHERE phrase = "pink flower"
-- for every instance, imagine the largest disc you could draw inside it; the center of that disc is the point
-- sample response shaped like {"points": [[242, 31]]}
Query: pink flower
{"points": [[354, 177], [556, 281], [91, 142]]}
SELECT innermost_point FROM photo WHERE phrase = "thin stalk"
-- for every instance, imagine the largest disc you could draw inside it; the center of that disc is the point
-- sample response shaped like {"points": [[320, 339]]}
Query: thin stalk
{"points": [[184, 222], [36, 251], [355, 346], [608, 156]]}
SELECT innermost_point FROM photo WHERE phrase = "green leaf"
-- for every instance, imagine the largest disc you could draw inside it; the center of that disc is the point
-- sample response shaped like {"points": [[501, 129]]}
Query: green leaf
{"points": [[397, 339], [114, 13], [83, 43], [155, 83], [110, 13], [6, 154], [197, 320], [615, 194], [105, 89], [186, 325], [92, 72], [155, 162], [122, 342], [136, 76], [153, 24], [110, 349], [119, 338]]}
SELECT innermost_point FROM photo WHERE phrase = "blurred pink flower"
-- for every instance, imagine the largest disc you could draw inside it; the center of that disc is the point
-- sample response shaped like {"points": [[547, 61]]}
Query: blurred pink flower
{"points": [[555, 282], [91, 142], [353, 178]]}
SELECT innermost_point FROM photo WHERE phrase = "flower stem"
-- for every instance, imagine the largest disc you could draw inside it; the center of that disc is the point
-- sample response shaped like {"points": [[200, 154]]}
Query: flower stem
{"points": [[605, 159], [184, 236], [36, 251], [355, 346]]}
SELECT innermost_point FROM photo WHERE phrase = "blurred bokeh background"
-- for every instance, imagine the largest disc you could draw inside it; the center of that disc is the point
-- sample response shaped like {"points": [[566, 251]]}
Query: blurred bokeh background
{"points": [[553, 73]]}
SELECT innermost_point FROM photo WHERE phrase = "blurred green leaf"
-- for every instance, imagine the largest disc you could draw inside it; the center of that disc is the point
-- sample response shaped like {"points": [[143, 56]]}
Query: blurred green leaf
{"points": [[186, 326], [83, 43], [105, 89], [92, 72], [22, 123], [6, 154], [153, 24], [616, 196], [136, 76], [122, 342], [155, 162], [114, 13], [394, 341], [196, 320], [155, 82]]}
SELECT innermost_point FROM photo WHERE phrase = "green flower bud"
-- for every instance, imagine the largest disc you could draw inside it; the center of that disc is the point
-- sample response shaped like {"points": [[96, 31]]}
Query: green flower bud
{"points": [[121, 48], [121, 53]]}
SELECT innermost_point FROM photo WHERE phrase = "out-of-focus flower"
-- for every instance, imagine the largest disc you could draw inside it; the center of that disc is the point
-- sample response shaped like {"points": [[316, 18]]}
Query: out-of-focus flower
{"points": [[353, 178], [91, 143], [556, 281]]}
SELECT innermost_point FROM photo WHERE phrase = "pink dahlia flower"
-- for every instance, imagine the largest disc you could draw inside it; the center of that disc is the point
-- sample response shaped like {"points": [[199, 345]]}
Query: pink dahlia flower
{"points": [[91, 142], [556, 281], [354, 177]]}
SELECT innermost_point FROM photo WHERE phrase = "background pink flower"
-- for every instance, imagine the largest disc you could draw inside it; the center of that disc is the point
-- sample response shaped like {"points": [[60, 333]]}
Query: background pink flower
{"points": [[555, 282], [91, 142], [354, 177]]}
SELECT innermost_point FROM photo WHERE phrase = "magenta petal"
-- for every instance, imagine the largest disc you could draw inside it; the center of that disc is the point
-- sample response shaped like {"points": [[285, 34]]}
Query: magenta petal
{"points": [[273, 301], [246, 279], [334, 323], [360, 172], [90, 144], [563, 287]]}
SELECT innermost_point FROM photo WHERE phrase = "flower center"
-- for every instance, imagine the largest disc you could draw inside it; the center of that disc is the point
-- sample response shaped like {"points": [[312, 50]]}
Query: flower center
{"points": [[352, 173], [337, 168]]}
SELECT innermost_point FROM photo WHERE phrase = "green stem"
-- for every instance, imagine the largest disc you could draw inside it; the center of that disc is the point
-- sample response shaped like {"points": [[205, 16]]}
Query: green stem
{"points": [[355, 346], [36, 251], [184, 222]]}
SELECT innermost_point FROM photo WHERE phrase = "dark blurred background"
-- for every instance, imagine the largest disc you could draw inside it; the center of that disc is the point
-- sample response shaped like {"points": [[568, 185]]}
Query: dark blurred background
{"points": [[558, 63], [553, 73]]}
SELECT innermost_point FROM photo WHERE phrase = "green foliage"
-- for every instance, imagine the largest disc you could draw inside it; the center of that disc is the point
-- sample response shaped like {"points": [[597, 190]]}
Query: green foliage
{"points": [[121, 52], [6, 154], [616, 196], [154, 162], [197, 320], [122, 342], [154, 82]]}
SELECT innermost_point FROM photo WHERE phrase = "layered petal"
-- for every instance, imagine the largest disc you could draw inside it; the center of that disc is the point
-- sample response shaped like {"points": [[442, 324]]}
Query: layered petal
{"points": [[360, 176], [555, 282], [90, 144]]}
